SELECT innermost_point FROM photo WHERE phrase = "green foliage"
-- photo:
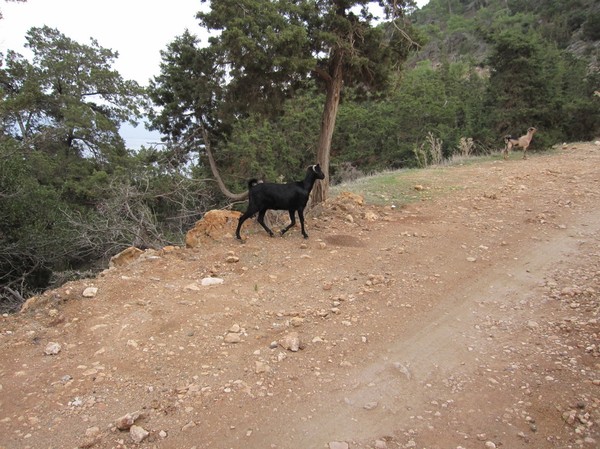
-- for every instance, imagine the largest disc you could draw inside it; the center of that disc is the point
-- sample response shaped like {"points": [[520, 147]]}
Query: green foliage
{"points": [[276, 149], [68, 98], [260, 54], [532, 83], [189, 93], [33, 235], [591, 27], [71, 195], [382, 134]]}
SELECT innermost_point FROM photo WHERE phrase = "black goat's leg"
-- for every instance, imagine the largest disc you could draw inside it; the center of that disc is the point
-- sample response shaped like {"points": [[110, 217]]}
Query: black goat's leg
{"points": [[301, 216], [261, 220], [293, 222], [241, 221]]}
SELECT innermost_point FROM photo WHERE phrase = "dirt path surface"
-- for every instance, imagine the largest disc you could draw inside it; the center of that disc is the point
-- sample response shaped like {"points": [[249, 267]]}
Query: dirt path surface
{"points": [[468, 319]]}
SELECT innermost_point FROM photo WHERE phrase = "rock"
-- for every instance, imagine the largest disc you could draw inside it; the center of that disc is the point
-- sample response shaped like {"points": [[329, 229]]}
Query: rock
{"points": [[211, 281], [375, 279], [65, 379], [92, 431], [125, 257], [215, 225], [90, 292], [188, 426], [346, 201], [92, 437], [52, 348], [297, 321], [138, 434], [380, 444], [371, 216], [125, 422], [338, 445], [403, 369], [232, 337], [261, 367], [570, 416], [31, 304], [291, 342]]}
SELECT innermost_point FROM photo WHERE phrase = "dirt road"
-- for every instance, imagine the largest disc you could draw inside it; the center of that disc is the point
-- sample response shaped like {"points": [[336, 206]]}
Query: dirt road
{"points": [[467, 319]]}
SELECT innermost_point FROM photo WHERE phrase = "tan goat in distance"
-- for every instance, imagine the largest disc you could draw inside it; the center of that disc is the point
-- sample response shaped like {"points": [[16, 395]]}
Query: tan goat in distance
{"points": [[523, 142]]}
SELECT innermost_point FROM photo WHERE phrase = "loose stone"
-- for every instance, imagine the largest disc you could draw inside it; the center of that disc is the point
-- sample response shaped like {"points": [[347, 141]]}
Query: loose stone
{"points": [[52, 348], [90, 292], [211, 281], [138, 434]]}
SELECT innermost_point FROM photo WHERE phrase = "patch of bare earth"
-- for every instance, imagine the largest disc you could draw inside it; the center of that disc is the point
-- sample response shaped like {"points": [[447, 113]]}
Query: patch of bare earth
{"points": [[467, 320]]}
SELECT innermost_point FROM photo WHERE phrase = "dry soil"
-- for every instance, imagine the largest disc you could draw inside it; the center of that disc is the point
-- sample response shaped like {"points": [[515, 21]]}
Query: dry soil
{"points": [[467, 319]]}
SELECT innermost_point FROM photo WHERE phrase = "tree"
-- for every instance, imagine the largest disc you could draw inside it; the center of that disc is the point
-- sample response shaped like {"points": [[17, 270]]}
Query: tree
{"points": [[263, 50], [68, 98], [517, 85], [59, 152]]}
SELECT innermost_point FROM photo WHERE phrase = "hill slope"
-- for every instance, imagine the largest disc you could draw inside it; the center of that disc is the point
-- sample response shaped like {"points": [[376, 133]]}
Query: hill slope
{"points": [[467, 319]]}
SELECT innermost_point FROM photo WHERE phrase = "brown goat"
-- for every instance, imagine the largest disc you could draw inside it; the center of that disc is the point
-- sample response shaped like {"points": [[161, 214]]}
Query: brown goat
{"points": [[522, 142]]}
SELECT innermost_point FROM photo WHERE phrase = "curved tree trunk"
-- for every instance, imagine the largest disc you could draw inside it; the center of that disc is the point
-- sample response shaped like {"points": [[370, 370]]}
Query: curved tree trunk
{"points": [[334, 81], [215, 171]]}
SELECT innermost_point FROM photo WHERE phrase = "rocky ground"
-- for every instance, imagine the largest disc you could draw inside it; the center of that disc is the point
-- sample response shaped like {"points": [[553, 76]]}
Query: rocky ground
{"points": [[466, 319]]}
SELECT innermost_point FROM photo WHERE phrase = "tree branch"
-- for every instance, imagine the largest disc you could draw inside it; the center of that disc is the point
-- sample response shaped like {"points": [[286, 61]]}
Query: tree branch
{"points": [[215, 171]]}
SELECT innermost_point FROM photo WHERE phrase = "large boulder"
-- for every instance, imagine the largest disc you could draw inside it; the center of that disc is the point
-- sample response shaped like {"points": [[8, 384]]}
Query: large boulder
{"points": [[215, 225], [346, 202], [125, 257]]}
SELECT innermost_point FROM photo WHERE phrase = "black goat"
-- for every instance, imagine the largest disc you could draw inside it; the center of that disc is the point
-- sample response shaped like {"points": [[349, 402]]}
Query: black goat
{"points": [[292, 197]]}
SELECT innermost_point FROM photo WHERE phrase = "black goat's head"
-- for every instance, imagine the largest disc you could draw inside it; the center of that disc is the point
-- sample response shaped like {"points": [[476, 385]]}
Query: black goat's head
{"points": [[317, 171]]}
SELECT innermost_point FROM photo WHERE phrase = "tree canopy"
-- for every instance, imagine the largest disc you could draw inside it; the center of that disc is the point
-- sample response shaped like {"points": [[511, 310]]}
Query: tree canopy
{"points": [[262, 51], [69, 98]]}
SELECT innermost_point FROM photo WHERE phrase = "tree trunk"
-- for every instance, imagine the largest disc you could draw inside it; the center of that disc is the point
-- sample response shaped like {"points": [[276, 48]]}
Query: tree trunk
{"points": [[215, 171], [334, 81]]}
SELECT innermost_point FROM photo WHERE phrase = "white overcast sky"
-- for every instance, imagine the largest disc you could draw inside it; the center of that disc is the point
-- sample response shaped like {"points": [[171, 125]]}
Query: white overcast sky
{"points": [[137, 29]]}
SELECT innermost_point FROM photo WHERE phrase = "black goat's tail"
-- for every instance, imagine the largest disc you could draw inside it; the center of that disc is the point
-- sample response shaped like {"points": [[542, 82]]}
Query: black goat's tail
{"points": [[252, 183]]}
